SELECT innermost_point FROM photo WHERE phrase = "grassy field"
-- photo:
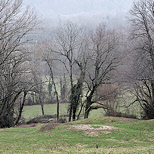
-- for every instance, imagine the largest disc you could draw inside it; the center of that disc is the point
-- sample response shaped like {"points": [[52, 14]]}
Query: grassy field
{"points": [[130, 136], [30, 112]]}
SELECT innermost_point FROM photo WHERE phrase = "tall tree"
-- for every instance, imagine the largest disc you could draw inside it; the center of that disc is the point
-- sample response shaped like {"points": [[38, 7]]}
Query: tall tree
{"points": [[67, 44], [76, 91], [15, 25], [142, 36], [38, 88], [50, 65], [103, 60], [49, 57]]}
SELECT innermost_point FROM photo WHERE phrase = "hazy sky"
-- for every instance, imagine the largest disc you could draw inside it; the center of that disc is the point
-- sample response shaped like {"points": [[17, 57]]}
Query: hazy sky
{"points": [[82, 11]]}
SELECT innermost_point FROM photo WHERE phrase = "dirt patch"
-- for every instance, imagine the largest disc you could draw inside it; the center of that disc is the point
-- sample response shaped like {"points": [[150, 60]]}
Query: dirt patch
{"points": [[49, 127], [89, 133], [26, 125], [111, 139], [91, 130], [81, 146]]}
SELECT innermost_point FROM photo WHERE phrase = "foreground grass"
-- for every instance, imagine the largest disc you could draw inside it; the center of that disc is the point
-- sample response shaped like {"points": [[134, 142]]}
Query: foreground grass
{"points": [[132, 136]]}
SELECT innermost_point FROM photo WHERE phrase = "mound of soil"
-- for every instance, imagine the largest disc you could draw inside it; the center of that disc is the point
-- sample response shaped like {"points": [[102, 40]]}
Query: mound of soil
{"points": [[27, 125], [91, 130], [49, 127]]}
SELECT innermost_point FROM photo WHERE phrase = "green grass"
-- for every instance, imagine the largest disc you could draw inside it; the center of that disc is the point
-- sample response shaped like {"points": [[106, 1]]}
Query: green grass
{"points": [[132, 136], [30, 112]]}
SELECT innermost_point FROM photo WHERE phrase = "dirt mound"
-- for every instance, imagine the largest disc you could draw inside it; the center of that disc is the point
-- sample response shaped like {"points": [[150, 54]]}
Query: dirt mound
{"points": [[49, 127], [91, 130], [27, 125]]}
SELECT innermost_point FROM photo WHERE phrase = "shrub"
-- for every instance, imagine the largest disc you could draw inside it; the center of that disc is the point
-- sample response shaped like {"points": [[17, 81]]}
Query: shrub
{"points": [[120, 114]]}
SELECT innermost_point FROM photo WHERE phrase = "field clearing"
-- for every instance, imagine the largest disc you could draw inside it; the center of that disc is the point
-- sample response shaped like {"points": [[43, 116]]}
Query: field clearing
{"points": [[130, 136], [30, 112], [33, 111]]}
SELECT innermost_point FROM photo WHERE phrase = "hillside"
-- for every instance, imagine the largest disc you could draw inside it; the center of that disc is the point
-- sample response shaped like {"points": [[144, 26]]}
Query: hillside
{"points": [[93, 135]]}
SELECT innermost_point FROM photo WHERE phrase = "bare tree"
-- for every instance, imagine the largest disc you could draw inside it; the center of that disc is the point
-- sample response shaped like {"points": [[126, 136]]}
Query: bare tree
{"points": [[15, 25], [50, 65], [48, 57], [77, 90], [103, 60], [68, 41], [14, 82], [38, 88], [142, 36]]}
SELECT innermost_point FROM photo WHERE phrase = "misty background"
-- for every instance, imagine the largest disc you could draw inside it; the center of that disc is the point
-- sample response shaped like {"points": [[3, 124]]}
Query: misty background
{"points": [[85, 12]]}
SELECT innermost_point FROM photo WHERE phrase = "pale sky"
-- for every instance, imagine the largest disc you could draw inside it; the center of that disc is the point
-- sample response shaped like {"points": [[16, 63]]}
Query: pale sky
{"points": [[82, 11]]}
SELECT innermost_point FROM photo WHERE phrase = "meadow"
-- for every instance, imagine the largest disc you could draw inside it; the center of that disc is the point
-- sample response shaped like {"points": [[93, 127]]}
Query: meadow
{"points": [[33, 111], [130, 136], [83, 136]]}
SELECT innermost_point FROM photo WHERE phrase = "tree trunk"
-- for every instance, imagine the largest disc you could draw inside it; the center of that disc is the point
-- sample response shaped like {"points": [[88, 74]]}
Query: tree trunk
{"points": [[152, 86], [53, 82], [21, 108], [87, 109], [70, 112], [74, 111], [88, 103], [56, 93], [57, 105], [74, 114], [82, 104], [71, 80], [42, 107], [86, 114]]}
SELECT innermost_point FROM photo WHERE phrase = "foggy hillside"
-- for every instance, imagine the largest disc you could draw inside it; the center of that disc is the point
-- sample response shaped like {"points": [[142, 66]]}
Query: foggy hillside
{"points": [[76, 6], [54, 12]]}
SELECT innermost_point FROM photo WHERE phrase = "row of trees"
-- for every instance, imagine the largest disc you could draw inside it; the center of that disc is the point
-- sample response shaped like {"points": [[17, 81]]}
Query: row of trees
{"points": [[89, 58], [89, 61]]}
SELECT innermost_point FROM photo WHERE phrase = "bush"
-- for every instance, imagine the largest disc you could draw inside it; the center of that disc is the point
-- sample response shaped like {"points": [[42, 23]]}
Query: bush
{"points": [[62, 120], [42, 119], [120, 114]]}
